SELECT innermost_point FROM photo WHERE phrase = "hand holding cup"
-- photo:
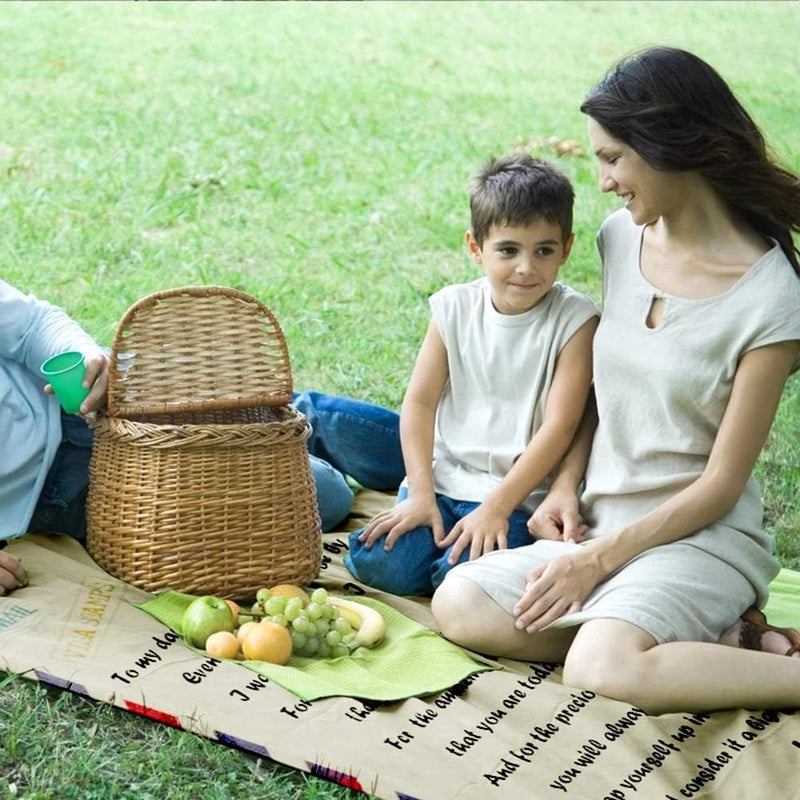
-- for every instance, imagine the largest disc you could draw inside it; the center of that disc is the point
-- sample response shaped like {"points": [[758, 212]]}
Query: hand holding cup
{"points": [[79, 382]]}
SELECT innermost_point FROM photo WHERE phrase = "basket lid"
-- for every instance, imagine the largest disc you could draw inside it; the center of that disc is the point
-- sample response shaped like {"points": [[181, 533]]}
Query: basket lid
{"points": [[197, 348]]}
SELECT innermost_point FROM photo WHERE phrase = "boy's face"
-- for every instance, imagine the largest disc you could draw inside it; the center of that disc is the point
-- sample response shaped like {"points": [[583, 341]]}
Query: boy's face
{"points": [[521, 262]]}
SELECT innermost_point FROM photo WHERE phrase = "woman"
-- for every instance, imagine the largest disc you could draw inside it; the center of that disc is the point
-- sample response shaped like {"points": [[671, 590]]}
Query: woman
{"points": [[699, 332]]}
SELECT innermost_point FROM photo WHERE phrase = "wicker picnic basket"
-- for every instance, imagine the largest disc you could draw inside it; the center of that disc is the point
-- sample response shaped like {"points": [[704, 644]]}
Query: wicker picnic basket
{"points": [[200, 479]]}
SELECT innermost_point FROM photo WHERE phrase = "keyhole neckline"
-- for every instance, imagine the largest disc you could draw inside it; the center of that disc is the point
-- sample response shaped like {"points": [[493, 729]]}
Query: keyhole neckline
{"points": [[668, 296]]}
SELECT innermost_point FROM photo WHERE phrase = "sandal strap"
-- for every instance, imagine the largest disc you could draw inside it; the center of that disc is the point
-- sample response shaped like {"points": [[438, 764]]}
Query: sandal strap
{"points": [[753, 627], [750, 635]]}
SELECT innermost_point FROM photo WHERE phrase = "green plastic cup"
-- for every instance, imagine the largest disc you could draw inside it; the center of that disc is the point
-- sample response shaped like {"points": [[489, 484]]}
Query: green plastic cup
{"points": [[64, 373]]}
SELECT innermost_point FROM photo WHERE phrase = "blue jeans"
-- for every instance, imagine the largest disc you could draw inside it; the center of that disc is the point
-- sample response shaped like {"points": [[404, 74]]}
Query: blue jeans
{"points": [[62, 503], [349, 437], [416, 565]]}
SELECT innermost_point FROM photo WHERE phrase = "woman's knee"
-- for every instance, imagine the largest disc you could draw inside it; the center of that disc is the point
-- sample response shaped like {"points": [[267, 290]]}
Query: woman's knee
{"points": [[469, 616], [457, 607], [607, 657]]}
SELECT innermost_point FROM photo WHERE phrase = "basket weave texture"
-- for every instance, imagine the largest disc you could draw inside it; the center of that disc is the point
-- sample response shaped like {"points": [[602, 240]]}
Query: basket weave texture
{"points": [[200, 479]]}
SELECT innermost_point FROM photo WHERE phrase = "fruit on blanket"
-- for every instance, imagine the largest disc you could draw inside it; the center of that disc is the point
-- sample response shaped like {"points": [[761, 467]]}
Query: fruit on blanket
{"points": [[284, 621], [369, 624], [294, 607], [288, 590], [267, 641], [319, 596], [349, 615], [276, 604], [222, 644], [204, 616], [242, 632], [262, 595], [235, 610]]}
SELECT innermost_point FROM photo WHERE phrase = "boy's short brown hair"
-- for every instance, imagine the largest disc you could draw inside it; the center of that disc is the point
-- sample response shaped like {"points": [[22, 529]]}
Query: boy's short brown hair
{"points": [[518, 189]]}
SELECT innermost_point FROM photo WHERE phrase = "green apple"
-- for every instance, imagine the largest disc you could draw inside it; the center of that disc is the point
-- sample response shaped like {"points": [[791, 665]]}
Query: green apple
{"points": [[204, 616]]}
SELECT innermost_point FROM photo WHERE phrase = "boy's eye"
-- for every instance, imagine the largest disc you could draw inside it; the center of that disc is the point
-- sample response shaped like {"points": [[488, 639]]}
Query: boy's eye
{"points": [[613, 160], [545, 251], [508, 251]]}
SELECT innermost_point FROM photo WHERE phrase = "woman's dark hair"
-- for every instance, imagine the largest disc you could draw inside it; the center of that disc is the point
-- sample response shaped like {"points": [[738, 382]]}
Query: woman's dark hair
{"points": [[678, 114]]}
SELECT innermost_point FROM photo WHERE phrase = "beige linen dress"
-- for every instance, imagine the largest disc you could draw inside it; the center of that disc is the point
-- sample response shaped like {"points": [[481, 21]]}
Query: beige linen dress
{"points": [[661, 395]]}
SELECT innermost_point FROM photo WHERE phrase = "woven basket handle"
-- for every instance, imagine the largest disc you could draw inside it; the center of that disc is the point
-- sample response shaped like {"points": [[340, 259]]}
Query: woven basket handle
{"points": [[197, 348]]}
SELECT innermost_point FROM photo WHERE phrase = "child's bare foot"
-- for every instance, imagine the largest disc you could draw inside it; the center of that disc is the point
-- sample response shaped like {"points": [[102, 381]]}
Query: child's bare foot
{"points": [[753, 632]]}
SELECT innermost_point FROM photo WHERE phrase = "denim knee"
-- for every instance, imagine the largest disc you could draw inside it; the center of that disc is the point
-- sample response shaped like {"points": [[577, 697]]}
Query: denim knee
{"points": [[357, 438], [442, 566], [518, 533], [404, 570], [334, 496], [517, 536]]}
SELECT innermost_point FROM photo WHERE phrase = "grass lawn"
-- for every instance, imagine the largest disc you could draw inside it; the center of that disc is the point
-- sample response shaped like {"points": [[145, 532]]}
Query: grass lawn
{"points": [[315, 155]]}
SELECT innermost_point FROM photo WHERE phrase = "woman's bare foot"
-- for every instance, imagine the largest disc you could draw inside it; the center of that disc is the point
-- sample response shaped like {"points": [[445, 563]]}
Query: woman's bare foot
{"points": [[753, 632]]}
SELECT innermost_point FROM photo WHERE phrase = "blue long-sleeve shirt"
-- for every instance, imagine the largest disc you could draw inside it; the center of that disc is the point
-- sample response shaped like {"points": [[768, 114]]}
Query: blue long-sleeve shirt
{"points": [[31, 331]]}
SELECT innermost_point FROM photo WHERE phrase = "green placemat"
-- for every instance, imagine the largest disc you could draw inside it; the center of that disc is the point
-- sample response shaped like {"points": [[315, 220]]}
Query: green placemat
{"points": [[411, 661], [783, 606]]}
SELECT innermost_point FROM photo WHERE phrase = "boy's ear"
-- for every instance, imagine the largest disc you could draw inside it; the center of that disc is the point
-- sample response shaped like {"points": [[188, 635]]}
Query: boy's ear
{"points": [[473, 247], [568, 246]]}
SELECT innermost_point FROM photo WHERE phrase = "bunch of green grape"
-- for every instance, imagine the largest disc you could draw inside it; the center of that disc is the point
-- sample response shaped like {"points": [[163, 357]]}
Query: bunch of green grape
{"points": [[317, 629]]}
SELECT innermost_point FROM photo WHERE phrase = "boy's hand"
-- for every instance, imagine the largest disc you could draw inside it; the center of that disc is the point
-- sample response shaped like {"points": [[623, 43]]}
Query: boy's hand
{"points": [[558, 518], [408, 514], [482, 530], [12, 576]]}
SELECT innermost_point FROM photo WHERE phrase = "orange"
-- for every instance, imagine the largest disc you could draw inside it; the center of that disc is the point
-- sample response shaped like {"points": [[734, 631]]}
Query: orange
{"points": [[289, 590], [243, 631], [223, 644], [235, 610], [268, 641]]}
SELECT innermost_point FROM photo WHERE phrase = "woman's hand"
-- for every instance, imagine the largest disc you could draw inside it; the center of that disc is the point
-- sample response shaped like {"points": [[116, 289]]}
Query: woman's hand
{"points": [[558, 517], [482, 530], [408, 514], [12, 576], [556, 588]]}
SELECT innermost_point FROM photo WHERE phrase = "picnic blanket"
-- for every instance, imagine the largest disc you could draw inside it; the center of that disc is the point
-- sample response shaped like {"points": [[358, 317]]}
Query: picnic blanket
{"points": [[514, 731]]}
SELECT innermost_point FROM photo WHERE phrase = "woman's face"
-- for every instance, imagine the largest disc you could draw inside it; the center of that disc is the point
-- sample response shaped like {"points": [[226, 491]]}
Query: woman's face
{"points": [[648, 193]]}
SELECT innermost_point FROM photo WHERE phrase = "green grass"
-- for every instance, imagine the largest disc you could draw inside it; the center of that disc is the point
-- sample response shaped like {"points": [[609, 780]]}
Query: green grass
{"points": [[315, 155], [66, 747]]}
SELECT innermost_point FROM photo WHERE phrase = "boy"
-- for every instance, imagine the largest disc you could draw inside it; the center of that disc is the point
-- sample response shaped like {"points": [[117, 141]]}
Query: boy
{"points": [[497, 392]]}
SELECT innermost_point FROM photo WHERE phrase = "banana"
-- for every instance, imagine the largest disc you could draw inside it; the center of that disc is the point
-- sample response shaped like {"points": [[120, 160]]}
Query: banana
{"points": [[348, 614], [368, 623]]}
